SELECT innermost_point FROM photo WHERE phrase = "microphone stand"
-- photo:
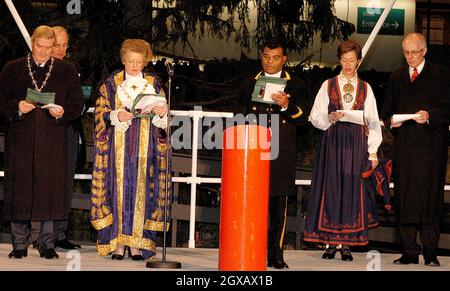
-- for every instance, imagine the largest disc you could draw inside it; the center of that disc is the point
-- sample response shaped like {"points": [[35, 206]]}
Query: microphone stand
{"points": [[163, 264]]}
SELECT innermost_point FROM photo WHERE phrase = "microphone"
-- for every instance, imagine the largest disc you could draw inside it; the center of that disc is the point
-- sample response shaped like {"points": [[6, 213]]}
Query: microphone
{"points": [[169, 67]]}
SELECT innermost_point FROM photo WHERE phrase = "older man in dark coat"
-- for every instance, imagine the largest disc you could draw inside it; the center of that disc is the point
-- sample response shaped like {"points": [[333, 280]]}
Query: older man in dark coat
{"points": [[291, 109], [36, 142], [420, 148]]}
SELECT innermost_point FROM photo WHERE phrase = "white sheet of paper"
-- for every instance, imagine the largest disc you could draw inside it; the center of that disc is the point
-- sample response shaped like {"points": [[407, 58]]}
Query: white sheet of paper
{"points": [[403, 117], [148, 101], [51, 105], [271, 89], [353, 116]]}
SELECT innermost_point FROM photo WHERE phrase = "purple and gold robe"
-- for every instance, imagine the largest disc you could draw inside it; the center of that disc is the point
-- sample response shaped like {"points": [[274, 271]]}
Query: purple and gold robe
{"points": [[128, 180]]}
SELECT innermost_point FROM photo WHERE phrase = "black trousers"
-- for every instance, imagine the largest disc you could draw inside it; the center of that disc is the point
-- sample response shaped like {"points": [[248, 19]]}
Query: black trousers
{"points": [[429, 235], [277, 226], [20, 233]]}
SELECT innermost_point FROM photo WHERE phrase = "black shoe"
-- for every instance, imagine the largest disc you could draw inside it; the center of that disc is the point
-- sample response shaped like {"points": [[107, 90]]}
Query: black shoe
{"points": [[329, 253], [277, 264], [65, 244], [118, 257], [407, 259], [18, 254], [346, 255], [48, 253], [431, 261], [135, 257]]}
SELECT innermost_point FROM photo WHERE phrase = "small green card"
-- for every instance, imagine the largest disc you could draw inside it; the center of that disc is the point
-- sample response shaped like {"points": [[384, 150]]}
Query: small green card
{"points": [[39, 98], [265, 87]]}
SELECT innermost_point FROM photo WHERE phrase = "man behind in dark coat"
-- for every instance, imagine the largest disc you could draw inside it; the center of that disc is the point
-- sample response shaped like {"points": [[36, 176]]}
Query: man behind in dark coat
{"points": [[36, 142], [420, 148], [292, 108]]}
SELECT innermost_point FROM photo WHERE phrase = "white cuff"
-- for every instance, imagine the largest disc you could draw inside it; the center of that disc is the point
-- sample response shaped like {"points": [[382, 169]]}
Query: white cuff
{"points": [[160, 122], [120, 126], [373, 157]]}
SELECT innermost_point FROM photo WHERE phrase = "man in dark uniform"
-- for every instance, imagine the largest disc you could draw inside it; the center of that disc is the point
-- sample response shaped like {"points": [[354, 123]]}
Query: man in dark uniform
{"points": [[292, 109], [36, 142], [420, 148]]}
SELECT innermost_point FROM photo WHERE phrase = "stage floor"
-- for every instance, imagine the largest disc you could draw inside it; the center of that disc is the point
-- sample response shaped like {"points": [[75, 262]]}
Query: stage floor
{"points": [[201, 260]]}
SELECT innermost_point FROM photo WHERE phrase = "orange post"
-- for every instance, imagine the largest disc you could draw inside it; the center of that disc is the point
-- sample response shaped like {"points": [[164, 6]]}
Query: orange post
{"points": [[244, 198]]}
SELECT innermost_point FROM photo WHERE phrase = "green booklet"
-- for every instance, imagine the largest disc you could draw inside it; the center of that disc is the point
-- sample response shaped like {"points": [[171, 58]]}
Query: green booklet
{"points": [[265, 87], [39, 98], [143, 104]]}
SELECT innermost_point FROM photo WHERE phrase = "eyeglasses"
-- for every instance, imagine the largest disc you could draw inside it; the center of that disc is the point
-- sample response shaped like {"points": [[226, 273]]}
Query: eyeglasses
{"points": [[412, 53]]}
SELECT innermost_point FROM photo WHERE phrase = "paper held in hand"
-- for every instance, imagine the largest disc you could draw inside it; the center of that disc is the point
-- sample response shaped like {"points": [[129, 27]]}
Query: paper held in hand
{"points": [[403, 117], [51, 105], [353, 116], [265, 87], [144, 103]]}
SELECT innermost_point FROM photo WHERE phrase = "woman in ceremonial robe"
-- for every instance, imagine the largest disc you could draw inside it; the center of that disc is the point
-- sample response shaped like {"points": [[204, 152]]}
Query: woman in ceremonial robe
{"points": [[341, 209], [128, 181]]}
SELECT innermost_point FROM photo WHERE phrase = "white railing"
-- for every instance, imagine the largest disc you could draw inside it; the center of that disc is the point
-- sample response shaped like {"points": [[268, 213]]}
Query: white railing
{"points": [[196, 115]]}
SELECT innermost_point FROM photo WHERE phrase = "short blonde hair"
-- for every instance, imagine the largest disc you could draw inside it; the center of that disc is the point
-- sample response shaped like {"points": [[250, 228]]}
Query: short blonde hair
{"points": [[139, 46], [43, 31]]}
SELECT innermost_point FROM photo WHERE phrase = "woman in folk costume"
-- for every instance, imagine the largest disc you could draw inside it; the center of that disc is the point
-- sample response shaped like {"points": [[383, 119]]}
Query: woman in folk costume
{"points": [[341, 209], [128, 181]]}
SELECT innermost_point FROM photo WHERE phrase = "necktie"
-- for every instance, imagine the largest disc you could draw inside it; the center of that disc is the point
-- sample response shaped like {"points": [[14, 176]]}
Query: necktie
{"points": [[414, 75]]}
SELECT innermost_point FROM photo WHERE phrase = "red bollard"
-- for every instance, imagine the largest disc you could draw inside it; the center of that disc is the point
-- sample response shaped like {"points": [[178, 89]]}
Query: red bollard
{"points": [[244, 199]]}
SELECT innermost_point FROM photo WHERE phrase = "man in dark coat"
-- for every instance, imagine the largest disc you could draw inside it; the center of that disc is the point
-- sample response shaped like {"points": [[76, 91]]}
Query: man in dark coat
{"points": [[291, 109], [36, 142], [60, 227], [420, 148]]}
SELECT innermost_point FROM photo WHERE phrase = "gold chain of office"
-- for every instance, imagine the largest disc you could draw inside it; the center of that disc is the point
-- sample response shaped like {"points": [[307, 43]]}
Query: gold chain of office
{"points": [[47, 76]]}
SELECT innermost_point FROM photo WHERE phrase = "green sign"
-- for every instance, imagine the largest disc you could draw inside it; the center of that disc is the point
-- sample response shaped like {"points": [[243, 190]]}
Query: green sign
{"points": [[393, 25]]}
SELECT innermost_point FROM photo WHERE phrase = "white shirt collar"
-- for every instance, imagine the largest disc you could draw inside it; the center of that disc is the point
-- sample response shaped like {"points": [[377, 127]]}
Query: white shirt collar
{"points": [[277, 75], [419, 68], [344, 79], [130, 77]]}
